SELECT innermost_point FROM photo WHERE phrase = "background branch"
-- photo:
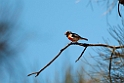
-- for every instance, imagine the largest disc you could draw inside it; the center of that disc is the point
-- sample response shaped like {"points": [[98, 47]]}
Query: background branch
{"points": [[110, 64]]}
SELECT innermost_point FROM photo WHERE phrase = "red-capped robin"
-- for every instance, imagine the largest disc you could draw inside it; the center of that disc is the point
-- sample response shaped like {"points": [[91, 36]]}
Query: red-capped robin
{"points": [[74, 37]]}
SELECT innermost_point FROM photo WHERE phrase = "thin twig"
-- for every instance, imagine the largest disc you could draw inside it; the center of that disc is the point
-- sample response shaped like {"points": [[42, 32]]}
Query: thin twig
{"points": [[81, 54]]}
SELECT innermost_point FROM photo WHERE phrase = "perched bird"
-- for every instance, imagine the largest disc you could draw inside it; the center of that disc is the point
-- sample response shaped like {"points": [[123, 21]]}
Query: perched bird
{"points": [[74, 37]]}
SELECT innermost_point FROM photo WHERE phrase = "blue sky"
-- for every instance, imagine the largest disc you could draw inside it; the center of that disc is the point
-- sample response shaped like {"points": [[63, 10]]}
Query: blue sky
{"points": [[43, 24]]}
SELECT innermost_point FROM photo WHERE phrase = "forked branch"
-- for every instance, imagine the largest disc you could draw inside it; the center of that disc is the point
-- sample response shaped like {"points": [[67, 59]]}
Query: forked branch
{"points": [[76, 43], [37, 73]]}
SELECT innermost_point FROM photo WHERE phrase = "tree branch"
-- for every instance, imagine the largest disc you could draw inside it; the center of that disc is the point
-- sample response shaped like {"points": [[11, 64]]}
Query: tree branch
{"points": [[37, 73], [101, 45], [81, 54], [110, 64], [76, 43]]}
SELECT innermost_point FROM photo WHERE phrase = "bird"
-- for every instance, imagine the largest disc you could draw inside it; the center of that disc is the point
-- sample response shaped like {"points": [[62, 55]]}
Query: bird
{"points": [[74, 37]]}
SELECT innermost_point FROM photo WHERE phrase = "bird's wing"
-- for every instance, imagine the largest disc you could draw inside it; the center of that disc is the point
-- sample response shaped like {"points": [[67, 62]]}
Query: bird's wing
{"points": [[76, 35]]}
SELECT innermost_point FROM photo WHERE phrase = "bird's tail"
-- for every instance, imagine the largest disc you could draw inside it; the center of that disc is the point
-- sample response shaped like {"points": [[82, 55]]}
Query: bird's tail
{"points": [[84, 39]]}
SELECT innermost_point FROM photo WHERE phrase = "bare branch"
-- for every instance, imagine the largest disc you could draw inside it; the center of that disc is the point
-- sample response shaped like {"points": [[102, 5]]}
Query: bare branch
{"points": [[37, 73], [75, 43], [81, 54], [101, 45]]}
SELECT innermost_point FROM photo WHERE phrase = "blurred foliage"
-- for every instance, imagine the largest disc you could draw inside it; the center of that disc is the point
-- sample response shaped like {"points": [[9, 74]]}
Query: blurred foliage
{"points": [[71, 76], [8, 52], [8, 25]]}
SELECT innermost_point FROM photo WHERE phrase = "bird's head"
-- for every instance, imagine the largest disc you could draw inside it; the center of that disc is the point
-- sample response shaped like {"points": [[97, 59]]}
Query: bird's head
{"points": [[67, 33]]}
